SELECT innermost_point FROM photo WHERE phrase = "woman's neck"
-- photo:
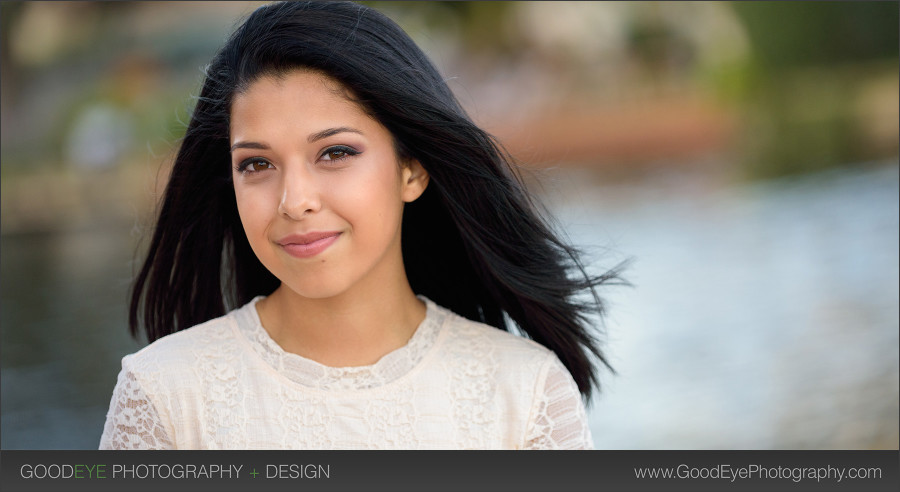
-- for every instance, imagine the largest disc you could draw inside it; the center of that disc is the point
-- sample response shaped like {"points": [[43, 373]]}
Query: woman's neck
{"points": [[352, 329]]}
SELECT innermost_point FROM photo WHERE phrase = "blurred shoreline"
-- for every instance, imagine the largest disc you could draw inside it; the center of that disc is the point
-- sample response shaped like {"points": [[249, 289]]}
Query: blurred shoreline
{"points": [[59, 200]]}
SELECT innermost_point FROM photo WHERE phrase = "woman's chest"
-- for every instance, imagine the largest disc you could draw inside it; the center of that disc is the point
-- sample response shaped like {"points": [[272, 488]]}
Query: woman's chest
{"points": [[439, 407]]}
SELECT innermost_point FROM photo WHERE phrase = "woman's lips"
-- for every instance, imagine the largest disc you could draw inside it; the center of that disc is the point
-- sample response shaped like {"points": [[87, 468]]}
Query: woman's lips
{"points": [[308, 245]]}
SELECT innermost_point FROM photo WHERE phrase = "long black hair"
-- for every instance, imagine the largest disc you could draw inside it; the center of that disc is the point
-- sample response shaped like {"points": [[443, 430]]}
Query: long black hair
{"points": [[474, 241]]}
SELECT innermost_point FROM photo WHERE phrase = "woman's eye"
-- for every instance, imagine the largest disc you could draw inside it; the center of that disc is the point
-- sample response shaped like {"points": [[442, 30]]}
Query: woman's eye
{"points": [[338, 153], [260, 165], [254, 166]]}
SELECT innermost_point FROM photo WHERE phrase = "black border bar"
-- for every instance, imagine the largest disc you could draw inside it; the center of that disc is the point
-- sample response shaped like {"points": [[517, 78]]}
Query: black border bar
{"points": [[468, 471]]}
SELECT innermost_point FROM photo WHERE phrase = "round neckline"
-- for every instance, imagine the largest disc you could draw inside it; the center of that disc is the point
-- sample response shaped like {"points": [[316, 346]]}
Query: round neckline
{"points": [[311, 373]]}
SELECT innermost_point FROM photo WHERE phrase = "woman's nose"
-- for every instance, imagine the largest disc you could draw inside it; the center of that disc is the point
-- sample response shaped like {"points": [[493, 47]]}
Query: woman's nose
{"points": [[299, 195]]}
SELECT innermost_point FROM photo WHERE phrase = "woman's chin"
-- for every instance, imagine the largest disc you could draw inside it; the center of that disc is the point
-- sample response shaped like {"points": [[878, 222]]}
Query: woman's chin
{"points": [[315, 289]]}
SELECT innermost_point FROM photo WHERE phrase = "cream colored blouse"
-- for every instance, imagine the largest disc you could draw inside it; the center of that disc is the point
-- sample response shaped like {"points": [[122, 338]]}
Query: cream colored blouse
{"points": [[457, 384]]}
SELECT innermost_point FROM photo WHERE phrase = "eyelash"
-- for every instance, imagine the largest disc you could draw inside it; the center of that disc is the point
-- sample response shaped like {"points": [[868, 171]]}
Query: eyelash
{"points": [[242, 167], [347, 151]]}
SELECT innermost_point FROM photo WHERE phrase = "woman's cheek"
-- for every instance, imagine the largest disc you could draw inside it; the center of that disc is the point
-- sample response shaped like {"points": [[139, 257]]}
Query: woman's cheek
{"points": [[253, 208]]}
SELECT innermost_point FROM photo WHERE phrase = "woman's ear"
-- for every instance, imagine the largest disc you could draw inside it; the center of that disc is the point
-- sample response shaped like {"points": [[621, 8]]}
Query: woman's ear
{"points": [[415, 180]]}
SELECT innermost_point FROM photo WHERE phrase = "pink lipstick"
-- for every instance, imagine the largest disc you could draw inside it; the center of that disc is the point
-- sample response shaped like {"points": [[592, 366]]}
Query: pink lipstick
{"points": [[308, 245]]}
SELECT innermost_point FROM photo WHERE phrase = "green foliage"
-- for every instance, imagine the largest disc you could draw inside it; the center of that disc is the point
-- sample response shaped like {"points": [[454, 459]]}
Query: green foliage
{"points": [[795, 34], [808, 66], [483, 25]]}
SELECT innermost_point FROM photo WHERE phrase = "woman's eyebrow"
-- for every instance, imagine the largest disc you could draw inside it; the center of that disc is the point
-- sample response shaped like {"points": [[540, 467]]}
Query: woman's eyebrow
{"points": [[249, 145], [331, 131]]}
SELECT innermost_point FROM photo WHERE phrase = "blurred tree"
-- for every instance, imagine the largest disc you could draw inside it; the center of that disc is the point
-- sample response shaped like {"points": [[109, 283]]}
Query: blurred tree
{"points": [[482, 24], [810, 61], [786, 35], [9, 69]]}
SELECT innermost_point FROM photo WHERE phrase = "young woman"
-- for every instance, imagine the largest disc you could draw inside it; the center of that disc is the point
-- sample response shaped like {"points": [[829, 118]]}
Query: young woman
{"points": [[372, 245]]}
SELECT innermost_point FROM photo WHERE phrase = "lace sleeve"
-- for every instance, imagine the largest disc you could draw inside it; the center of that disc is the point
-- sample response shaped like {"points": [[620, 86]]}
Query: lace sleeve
{"points": [[132, 421], [559, 420]]}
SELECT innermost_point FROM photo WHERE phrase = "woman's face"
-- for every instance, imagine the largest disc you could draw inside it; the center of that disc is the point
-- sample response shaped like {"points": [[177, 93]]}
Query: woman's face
{"points": [[319, 188]]}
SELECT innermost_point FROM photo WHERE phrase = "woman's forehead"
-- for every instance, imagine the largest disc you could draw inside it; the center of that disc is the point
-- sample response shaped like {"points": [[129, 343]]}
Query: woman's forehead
{"points": [[281, 76], [297, 101], [304, 91]]}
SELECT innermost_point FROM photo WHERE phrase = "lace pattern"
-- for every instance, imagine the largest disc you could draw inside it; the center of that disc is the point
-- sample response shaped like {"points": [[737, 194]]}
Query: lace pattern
{"points": [[560, 420], [222, 426], [306, 421], [471, 366], [392, 421], [132, 421]]}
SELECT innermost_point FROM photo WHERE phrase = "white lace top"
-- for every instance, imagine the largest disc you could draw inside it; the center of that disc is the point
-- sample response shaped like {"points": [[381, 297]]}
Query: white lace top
{"points": [[457, 384]]}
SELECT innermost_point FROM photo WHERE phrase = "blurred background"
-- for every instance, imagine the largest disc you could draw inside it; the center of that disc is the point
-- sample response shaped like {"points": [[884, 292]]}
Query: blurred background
{"points": [[745, 155]]}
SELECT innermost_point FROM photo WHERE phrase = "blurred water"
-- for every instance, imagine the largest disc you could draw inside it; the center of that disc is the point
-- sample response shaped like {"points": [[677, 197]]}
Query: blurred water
{"points": [[62, 335], [762, 317]]}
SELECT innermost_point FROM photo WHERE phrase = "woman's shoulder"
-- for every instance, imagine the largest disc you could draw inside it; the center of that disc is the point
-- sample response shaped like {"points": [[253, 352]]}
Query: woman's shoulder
{"points": [[175, 351], [464, 335]]}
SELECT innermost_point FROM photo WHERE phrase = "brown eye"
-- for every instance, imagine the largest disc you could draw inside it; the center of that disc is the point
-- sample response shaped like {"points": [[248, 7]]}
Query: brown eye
{"points": [[338, 153], [334, 154], [254, 166], [259, 165]]}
